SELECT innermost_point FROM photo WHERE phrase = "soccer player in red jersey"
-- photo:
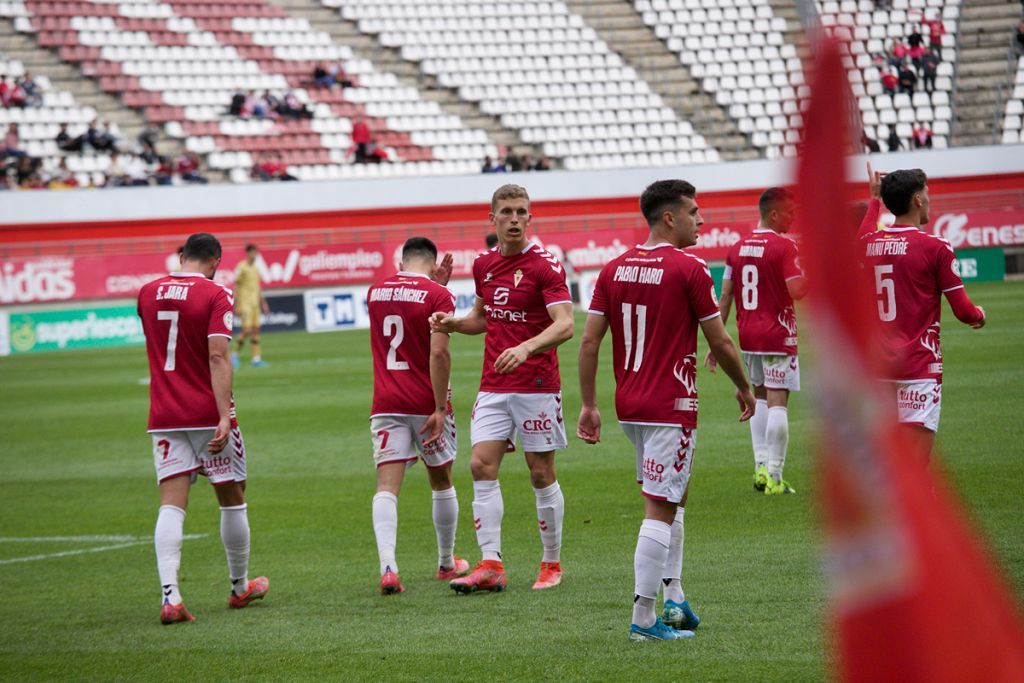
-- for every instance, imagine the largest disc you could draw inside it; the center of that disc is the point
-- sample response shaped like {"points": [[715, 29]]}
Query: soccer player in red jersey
{"points": [[653, 298], [765, 271], [523, 305], [411, 409], [187, 321], [910, 271]]}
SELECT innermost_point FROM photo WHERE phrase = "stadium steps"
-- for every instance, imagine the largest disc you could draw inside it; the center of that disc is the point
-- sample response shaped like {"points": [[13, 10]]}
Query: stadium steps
{"points": [[345, 32], [984, 68], [794, 34], [618, 24], [86, 91]]}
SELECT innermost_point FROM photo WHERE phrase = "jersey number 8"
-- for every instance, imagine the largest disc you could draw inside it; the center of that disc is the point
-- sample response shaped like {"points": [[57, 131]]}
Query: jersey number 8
{"points": [[748, 294]]}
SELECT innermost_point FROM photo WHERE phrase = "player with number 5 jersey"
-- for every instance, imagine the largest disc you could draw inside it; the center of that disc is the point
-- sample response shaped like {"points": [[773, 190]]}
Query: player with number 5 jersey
{"points": [[763, 274], [411, 416], [187, 320], [910, 271]]}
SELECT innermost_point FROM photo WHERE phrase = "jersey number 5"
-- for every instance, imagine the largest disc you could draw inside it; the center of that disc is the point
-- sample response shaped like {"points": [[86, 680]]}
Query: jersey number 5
{"points": [[748, 294], [393, 325], [172, 337], [634, 349], [885, 288]]}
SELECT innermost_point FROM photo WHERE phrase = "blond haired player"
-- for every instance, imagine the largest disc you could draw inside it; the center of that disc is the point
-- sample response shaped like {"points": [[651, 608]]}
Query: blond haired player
{"points": [[249, 303], [523, 306]]}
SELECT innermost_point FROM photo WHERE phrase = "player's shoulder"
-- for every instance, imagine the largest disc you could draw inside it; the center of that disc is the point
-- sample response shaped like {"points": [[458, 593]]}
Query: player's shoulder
{"points": [[688, 261], [934, 241], [542, 259]]}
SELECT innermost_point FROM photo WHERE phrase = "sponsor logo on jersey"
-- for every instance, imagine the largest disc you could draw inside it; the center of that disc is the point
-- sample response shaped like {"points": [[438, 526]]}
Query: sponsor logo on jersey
{"points": [[504, 314]]}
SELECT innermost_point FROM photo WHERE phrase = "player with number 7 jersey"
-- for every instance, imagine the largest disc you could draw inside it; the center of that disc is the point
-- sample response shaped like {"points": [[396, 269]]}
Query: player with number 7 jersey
{"points": [[187, 320]]}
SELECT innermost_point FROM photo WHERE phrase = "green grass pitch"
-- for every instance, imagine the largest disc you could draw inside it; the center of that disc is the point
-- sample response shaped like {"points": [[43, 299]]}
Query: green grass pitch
{"points": [[75, 461]]}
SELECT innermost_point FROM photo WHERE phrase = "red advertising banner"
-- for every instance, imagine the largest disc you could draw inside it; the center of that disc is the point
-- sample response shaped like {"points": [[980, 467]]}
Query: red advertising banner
{"points": [[48, 278]]}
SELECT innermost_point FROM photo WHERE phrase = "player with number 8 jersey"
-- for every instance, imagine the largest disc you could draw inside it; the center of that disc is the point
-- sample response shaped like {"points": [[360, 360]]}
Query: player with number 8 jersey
{"points": [[187, 321]]}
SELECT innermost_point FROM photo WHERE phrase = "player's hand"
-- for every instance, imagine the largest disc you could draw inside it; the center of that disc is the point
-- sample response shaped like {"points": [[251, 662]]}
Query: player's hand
{"points": [[433, 427], [220, 436], [588, 427], [510, 359], [442, 322], [710, 362], [443, 273], [747, 404], [266, 308], [875, 182], [981, 323]]}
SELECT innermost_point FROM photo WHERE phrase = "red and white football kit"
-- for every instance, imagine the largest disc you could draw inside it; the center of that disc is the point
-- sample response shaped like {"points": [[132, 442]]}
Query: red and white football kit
{"points": [[516, 292], [760, 266], [403, 397], [654, 299], [910, 271], [179, 313]]}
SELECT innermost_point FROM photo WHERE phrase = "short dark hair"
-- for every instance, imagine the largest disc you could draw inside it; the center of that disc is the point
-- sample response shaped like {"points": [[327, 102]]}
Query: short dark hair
{"points": [[662, 194], [491, 240], [251, 247], [419, 247], [201, 246], [899, 188], [773, 197]]}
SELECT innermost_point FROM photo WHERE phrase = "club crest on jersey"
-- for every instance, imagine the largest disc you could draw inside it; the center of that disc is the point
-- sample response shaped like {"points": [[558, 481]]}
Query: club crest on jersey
{"points": [[686, 373], [487, 278], [517, 277], [930, 340]]}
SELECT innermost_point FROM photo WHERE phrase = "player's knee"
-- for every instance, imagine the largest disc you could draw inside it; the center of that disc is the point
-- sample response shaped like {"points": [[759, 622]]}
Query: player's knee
{"points": [[542, 476], [231, 494], [440, 478], [482, 470]]}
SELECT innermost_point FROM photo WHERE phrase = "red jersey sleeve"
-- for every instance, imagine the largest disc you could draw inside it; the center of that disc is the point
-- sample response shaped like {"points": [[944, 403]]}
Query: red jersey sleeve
{"points": [[477, 275], [599, 300], [554, 290], [221, 316], [444, 302], [727, 273], [791, 262], [702, 292], [870, 222], [947, 268]]}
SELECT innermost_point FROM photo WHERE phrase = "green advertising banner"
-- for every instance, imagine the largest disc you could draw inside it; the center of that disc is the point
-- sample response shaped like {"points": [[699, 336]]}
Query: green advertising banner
{"points": [[74, 329], [982, 265]]}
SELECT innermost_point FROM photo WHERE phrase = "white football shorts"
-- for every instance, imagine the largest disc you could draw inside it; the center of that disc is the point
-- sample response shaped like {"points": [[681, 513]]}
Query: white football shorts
{"points": [[397, 438], [919, 403], [664, 455], [773, 371], [184, 452], [535, 418]]}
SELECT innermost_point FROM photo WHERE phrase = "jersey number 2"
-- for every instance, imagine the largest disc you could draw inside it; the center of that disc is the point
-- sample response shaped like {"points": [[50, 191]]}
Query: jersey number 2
{"points": [[172, 337], [393, 325], [634, 349]]}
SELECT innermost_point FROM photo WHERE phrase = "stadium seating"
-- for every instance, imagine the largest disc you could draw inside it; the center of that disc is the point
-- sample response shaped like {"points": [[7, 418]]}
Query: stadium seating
{"points": [[736, 48], [558, 85], [182, 60], [1013, 129]]}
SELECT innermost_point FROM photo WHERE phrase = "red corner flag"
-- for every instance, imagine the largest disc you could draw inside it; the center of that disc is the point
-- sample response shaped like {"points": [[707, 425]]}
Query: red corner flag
{"points": [[914, 595]]}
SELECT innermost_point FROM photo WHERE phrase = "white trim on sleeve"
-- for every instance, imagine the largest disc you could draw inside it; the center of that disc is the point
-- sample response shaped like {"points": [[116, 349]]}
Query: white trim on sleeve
{"points": [[593, 312], [555, 303], [716, 313], [952, 288]]}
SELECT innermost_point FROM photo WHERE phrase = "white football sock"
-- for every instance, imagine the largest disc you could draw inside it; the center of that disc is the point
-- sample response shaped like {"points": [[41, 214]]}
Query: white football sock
{"points": [[234, 534], [488, 509], [672, 585], [385, 527], [778, 439], [758, 436], [167, 537], [550, 512], [446, 520], [648, 565]]}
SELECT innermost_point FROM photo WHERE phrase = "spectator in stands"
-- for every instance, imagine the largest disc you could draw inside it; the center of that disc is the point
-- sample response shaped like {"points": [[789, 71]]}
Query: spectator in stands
{"points": [[27, 173], [915, 39], [340, 76], [936, 30], [61, 178], [16, 97], [889, 82], [12, 143], [513, 163], [5, 91], [237, 105], [884, 5], [290, 107], [880, 59], [894, 142], [916, 53], [101, 140], [272, 168], [1018, 43], [116, 175], [908, 79], [66, 143], [929, 69], [147, 140], [321, 77], [870, 145], [164, 172], [33, 93], [543, 164], [898, 52], [361, 139], [491, 167], [922, 137], [271, 103], [188, 169]]}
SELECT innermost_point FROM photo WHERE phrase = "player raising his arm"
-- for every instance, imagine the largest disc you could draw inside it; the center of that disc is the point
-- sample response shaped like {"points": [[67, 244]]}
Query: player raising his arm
{"points": [[911, 271], [763, 269], [523, 305], [249, 304], [411, 409], [187, 321], [653, 297]]}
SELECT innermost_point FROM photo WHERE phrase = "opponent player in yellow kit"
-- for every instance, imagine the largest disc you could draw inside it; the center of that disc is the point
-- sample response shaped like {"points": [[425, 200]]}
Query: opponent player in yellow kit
{"points": [[249, 303]]}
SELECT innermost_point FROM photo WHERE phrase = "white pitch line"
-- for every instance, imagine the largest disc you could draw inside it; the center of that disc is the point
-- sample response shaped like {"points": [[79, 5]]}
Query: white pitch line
{"points": [[132, 541]]}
